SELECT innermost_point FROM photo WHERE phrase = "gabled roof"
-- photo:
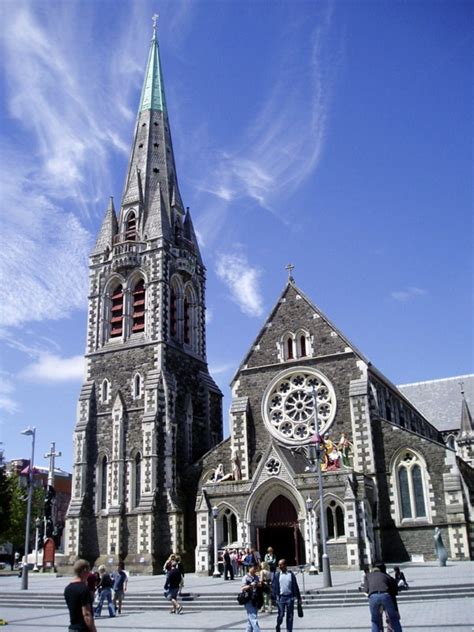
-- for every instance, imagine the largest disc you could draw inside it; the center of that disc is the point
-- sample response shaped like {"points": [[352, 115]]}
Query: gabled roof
{"points": [[292, 285]]}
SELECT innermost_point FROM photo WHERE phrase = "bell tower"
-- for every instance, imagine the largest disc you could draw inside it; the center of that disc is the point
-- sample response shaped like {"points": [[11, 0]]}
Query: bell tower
{"points": [[148, 408]]}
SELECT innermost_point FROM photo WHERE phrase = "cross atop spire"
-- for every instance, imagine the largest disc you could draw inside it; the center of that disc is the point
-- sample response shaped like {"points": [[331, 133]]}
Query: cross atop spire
{"points": [[154, 19], [290, 268], [461, 384]]}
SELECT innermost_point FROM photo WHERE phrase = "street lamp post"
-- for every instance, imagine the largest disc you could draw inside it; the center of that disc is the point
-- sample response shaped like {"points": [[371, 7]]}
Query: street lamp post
{"points": [[315, 458], [24, 571], [309, 508], [215, 513], [37, 525]]}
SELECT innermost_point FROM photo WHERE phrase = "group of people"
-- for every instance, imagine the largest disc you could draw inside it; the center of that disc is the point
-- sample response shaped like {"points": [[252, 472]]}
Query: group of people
{"points": [[89, 588], [174, 582], [382, 589], [264, 588], [238, 561]]}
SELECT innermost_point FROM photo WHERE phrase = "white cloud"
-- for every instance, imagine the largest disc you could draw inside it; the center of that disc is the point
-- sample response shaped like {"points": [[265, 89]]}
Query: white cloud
{"points": [[242, 281], [219, 369], [407, 294], [53, 368], [7, 403]]}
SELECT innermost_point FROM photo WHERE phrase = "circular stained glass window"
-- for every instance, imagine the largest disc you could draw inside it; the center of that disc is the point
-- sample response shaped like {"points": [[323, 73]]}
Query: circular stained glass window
{"points": [[288, 407]]}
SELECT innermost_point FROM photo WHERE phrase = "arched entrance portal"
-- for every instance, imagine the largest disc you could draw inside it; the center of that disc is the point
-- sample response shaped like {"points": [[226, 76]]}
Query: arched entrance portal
{"points": [[282, 532]]}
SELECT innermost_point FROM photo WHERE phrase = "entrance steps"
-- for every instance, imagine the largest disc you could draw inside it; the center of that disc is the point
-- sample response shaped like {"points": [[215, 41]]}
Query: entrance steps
{"points": [[212, 601]]}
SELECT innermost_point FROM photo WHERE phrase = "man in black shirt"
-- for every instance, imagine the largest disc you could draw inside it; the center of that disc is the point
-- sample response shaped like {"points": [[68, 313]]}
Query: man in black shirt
{"points": [[78, 600]]}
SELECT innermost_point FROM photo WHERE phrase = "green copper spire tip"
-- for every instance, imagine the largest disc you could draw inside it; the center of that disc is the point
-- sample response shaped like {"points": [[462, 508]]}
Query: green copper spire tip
{"points": [[153, 93]]}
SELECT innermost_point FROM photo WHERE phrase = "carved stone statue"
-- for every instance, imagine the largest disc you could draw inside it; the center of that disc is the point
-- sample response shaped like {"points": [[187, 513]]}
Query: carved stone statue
{"points": [[441, 552], [236, 469]]}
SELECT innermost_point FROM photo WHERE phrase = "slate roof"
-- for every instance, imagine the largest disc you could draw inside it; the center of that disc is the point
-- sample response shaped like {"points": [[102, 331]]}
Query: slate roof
{"points": [[440, 401]]}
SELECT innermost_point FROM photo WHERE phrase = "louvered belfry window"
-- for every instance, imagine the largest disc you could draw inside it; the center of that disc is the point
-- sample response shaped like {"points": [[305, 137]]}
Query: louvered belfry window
{"points": [[138, 316], [131, 228], [173, 313], [116, 320], [187, 320]]}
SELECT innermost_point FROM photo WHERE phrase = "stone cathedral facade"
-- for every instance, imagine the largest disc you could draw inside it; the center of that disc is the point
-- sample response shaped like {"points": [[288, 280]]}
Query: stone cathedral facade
{"points": [[148, 408], [389, 477], [151, 468]]}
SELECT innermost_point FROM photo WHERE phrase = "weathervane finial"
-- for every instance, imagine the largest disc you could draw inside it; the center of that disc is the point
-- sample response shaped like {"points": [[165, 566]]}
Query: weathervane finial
{"points": [[461, 384], [154, 19], [290, 268]]}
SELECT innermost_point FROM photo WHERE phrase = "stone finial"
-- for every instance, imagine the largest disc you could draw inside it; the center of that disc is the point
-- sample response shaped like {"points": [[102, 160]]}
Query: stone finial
{"points": [[290, 268]]}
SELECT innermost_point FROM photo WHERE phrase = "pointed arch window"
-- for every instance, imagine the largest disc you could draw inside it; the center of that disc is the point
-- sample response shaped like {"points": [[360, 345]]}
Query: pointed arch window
{"points": [[335, 520], [105, 391], [411, 487], [303, 346], [289, 349], [138, 478], [103, 483], [138, 314], [229, 528], [131, 227], [137, 386], [173, 313], [187, 320], [116, 312]]}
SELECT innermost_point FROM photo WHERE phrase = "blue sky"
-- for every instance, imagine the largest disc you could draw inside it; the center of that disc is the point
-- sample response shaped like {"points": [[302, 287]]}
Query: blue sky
{"points": [[333, 135]]}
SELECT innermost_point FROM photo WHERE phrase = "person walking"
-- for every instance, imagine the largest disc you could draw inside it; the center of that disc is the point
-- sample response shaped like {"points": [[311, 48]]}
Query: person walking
{"points": [[105, 588], [120, 586], [400, 578], [381, 588], [228, 568], [285, 590], [78, 599], [266, 581], [251, 583], [173, 580], [271, 559]]}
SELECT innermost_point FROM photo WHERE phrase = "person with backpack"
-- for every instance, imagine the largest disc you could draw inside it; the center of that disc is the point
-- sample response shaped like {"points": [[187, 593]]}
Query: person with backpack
{"points": [[285, 590], [252, 585], [105, 588]]}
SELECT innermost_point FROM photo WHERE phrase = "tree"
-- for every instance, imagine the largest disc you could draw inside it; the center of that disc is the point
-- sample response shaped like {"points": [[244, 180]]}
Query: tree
{"points": [[13, 500]]}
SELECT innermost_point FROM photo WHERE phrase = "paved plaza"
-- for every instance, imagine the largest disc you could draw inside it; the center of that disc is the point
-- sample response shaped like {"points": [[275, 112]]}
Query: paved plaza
{"points": [[442, 615]]}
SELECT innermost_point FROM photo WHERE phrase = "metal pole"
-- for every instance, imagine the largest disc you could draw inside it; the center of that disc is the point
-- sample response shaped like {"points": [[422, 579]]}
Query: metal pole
{"points": [[215, 513], [35, 569], [24, 570], [327, 581]]}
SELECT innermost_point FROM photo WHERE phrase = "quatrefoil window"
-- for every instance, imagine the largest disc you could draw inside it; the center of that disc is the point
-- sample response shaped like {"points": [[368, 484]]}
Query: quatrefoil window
{"points": [[272, 466], [288, 406]]}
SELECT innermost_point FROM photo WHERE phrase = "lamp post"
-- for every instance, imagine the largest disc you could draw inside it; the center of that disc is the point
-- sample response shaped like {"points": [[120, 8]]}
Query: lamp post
{"points": [[315, 458], [37, 525], [24, 571], [309, 508], [215, 513]]}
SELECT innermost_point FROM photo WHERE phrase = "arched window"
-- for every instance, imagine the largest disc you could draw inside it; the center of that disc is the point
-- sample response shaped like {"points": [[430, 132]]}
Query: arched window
{"points": [[189, 317], [105, 391], [137, 386], [138, 478], [138, 314], [187, 320], [411, 487], [289, 349], [335, 520], [229, 528], [116, 312], [173, 313], [303, 346], [103, 483], [131, 227]]}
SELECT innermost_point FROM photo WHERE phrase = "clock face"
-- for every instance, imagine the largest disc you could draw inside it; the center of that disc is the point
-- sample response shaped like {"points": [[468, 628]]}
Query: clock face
{"points": [[288, 406]]}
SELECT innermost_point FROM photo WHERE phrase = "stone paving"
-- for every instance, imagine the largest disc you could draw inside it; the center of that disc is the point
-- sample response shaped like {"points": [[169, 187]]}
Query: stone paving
{"points": [[444, 615]]}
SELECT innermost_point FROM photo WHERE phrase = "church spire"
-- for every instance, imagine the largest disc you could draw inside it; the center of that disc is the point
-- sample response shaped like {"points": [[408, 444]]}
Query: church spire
{"points": [[151, 185], [467, 427]]}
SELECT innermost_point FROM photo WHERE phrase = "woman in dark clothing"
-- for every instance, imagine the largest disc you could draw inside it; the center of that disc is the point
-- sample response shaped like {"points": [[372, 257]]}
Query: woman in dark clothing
{"points": [[173, 580], [402, 583]]}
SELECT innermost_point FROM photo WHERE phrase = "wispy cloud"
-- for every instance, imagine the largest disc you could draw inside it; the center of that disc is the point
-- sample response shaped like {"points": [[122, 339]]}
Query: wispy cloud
{"points": [[52, 368], [7, 403], [220, 369], [407, 294], [284, 143], [243, 282]]}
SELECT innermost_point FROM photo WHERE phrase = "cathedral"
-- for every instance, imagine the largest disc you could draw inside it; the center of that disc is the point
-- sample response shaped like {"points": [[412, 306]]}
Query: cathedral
{"points": [[152, 473]]}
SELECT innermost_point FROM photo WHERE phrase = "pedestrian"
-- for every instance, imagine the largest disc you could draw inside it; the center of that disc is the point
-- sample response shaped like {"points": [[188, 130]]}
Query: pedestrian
{"points": [[233, 561], [173, 580], [120, 586], [399, 576], [167, 564], [285, 590], [266, 581], [240, 562], [251, 583], [105, 588], [228, 568], [381, 588], [78, 599], [92, 582], [270, 557], [180, 565]]}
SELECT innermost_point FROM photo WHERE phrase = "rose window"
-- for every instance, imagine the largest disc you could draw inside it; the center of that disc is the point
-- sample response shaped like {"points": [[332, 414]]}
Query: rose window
{"points": [[288, 406]]}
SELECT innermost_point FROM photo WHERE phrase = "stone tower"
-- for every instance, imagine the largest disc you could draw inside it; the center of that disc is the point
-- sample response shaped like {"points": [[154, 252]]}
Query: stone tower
{"points": [[148, 408]]}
